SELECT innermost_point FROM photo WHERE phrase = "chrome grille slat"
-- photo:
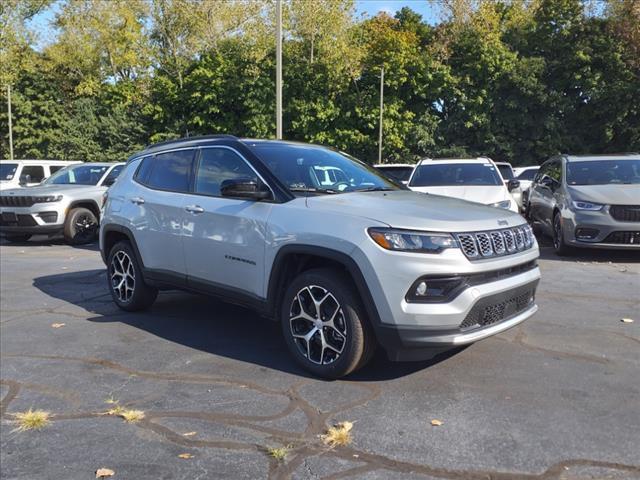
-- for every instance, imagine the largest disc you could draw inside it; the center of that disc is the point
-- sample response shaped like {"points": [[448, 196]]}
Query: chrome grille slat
{"points": [[493, 243]]}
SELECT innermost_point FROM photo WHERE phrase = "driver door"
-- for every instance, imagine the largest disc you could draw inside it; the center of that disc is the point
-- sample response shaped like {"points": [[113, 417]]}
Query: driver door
{"points": [[224, 238]]}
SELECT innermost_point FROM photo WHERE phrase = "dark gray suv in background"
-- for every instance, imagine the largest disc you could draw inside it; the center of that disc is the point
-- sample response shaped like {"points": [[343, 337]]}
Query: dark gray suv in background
{"points": [[588, 201]]}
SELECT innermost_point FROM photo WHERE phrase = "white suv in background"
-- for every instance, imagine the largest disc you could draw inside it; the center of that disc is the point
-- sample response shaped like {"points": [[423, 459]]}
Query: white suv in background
{"points": [[27, 173], [473, 179]]}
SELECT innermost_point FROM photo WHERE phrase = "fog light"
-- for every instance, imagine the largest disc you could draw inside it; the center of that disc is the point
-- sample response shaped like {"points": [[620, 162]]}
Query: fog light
{"points": [[586, 233], [421, 289]]}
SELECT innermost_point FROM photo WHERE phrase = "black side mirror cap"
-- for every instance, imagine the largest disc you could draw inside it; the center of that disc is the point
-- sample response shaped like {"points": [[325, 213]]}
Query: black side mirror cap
{"points": [[245, 188], [513, 184]]}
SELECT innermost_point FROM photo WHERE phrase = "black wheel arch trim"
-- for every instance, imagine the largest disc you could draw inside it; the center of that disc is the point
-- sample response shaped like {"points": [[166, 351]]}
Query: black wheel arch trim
{"points": [[127, 233], [276, 278], [80, 203]]}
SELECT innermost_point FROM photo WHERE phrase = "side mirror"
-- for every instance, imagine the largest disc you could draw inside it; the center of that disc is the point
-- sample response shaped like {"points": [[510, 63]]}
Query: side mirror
{"points": [[513, 184], [24, 179], [245, 188], [546, 182]]}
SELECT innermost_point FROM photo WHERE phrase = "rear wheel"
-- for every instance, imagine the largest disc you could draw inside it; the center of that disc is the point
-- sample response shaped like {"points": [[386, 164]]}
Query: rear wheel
{"points": [[559, 246], [325, 325], [17, 238], [81, 226], [126, 284]]}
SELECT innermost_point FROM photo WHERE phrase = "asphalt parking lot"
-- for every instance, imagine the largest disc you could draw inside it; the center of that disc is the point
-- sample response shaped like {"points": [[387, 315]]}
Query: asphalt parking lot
{"points": [[555, 398]]}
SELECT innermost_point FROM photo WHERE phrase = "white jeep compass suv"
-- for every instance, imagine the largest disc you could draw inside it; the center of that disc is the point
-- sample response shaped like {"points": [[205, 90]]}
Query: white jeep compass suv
{"points": [[342, 267]]}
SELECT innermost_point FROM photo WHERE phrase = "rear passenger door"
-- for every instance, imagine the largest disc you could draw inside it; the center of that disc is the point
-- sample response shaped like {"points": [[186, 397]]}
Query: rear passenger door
{"points": [[224, 238], [157, 211]]}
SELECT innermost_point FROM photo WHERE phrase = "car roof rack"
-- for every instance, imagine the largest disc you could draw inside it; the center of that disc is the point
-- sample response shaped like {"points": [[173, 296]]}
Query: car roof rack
{"points": [[187, 139]]}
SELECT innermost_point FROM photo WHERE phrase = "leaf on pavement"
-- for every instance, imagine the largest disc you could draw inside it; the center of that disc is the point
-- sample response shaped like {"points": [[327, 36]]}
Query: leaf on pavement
{"points": [[58, 325], [627, 320], [185, 455], [104, 472], [436, 423], [189, 434]]}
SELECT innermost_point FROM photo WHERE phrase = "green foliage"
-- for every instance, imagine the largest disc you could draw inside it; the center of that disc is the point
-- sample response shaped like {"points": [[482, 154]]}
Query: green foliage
{"points": [[516, 80]]}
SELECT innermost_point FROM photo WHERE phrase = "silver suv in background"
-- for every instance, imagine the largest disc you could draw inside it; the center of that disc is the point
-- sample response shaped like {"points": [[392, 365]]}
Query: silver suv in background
{"points": [[588, 201], [343, 267], [67, 202]]}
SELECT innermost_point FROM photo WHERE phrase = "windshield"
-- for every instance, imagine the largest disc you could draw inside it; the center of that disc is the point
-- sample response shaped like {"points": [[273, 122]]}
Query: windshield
{"points": [[455, 174], [78, 175], [307, 168], [7, 171], [603, 172], [506, 172], [528, 174], [400, 174]]}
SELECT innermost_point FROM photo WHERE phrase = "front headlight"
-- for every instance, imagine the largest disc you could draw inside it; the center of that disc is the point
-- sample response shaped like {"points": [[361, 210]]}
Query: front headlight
{"points": [[47, 199], [412, 241], [580, 205], [504, 204]]}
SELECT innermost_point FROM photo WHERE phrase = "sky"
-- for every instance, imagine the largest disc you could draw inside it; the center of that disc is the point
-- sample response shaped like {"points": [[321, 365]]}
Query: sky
{"points": [[40, 23]]}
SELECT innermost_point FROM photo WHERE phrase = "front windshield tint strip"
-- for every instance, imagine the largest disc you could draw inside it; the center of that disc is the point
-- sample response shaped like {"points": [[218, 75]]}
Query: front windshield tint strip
{"points": [[603, 172], [314, 169], [455, 174]]}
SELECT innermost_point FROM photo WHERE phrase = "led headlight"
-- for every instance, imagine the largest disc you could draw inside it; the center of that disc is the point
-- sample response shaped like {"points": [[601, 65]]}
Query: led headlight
{"points": [[580, 205], [412, 241], [47, 199], [504, 204]]}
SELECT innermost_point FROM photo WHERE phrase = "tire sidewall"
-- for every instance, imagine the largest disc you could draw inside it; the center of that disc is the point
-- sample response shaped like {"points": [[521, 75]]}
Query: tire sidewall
{"points": [[70, 231], [353, 315], [137, 298]]}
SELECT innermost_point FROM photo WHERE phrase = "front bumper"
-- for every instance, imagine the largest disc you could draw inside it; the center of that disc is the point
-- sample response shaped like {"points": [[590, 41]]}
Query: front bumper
{"points": [[612, 234], [40, 218]]}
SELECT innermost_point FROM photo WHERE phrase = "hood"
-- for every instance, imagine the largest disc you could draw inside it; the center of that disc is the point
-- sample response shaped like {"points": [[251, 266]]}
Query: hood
{"points": [[485, 194], [613, 194], [412, 210], [47, 190]]}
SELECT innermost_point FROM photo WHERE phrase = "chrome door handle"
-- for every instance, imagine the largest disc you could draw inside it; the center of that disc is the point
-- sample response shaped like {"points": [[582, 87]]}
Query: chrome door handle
{"points": [[137, 200], [194, 209]]}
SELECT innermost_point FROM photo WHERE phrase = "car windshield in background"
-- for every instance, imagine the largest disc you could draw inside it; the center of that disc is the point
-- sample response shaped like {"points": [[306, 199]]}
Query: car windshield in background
{"points": [[603, 172], [78, 175], [400, 174], [454, 174], [305, 168], [7, 171], [528, 174], [506, 172]]}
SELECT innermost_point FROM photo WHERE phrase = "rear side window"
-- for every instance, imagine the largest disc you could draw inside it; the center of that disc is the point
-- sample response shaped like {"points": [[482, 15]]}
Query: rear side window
{"points": [[167, 171], [528, 174], [218, 165], [36, 172]]}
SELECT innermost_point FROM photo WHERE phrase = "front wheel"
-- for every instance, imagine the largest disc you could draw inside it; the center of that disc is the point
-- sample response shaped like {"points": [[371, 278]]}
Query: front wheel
{"points": [[126, 284], [559, 245], [324, 324], [80, 226]]}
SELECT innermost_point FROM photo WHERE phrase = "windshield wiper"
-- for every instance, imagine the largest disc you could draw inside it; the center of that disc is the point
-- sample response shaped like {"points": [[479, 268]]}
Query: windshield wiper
{"points": [[373, 189], [313, 190]]}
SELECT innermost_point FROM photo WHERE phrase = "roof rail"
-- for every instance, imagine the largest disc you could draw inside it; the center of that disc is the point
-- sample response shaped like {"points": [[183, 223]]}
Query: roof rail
{"points": [[185, 139]]}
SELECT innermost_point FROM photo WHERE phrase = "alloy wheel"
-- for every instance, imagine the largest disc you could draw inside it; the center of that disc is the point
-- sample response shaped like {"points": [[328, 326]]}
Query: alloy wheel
{"points": [[318, 325], [85, 226], [557, 231], [123, 276]]}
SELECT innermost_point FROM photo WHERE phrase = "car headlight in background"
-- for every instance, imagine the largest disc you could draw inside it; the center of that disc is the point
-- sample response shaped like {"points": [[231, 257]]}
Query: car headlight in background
{"points": [[412, 241], [47, 199], [581, 205], [504, 204]]}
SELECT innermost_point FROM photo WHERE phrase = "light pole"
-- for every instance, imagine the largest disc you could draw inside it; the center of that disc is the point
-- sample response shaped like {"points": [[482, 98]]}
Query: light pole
{"points": [[279, 69], [10, 122], [381, 111]]}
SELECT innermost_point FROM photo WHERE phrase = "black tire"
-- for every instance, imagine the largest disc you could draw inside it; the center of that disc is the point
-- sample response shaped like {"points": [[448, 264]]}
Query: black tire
{"points": [[80, 226], [17, 238], [134, 295], [352, 334], [559, 246]]}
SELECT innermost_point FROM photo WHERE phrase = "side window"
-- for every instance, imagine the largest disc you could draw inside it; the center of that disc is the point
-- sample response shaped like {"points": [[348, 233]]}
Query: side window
{"points": [[216, 166], [142, 173], [544, 170], [170, 171], [36, 172], [112, 176], [555, 171], [54, 168]]}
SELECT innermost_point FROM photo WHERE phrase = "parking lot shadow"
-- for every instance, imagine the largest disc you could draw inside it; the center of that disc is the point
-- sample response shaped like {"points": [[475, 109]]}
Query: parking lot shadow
{"points": [[206, 324], [44, 241]]}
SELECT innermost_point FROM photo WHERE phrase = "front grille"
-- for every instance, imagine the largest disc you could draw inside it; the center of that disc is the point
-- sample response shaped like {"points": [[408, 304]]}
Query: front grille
{"points": [[22, 221], [625, 213], [501, 306], [623, 238], [16, 201], [495, 243]]}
